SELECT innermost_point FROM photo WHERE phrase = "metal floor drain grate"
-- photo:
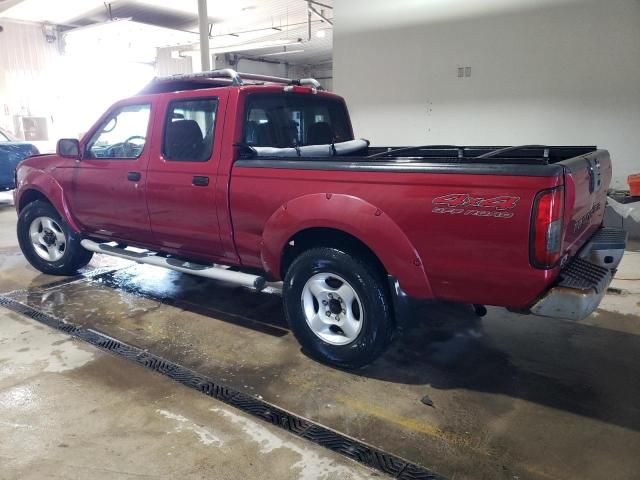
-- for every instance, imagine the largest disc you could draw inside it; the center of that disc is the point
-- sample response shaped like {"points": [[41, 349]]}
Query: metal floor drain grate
{"points": [[304, 428]]}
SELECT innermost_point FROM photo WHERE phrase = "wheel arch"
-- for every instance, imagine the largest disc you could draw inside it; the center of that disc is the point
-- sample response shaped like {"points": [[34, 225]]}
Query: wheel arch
{"points": [[330, 219], [29, 196], [40, 186]]}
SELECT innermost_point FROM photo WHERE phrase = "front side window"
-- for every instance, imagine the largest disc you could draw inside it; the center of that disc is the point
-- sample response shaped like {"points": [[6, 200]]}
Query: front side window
{"points": [[189, 130], [290, 120], [122, 135], [3, 137]]}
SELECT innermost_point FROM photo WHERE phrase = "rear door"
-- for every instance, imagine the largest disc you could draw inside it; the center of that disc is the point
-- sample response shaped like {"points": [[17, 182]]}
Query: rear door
{"points": [[182, 173], [587, 178]]}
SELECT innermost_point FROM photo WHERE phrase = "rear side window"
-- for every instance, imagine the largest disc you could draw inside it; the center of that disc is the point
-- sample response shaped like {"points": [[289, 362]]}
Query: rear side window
{"points": [[290, 120], [189, 130]]}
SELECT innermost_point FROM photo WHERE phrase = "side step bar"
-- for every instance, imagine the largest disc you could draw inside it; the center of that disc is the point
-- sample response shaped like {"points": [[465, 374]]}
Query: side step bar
{"points": [[150, 258]]}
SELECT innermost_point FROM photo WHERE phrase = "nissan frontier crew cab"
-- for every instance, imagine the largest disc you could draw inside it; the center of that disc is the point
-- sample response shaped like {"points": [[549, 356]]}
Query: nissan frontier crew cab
{"points": [[252, 179]]}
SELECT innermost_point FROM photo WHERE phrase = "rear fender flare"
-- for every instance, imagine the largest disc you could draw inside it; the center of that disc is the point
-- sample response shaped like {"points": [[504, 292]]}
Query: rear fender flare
{"points": [[356, 217], [47, 186]]}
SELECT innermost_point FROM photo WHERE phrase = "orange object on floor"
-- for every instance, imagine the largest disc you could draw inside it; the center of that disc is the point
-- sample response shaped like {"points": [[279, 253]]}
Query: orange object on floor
{"points": [[634, 184]]}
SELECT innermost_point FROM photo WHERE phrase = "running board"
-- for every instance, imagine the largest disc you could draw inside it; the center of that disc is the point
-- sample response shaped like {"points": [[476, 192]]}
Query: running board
{"points": [[151, 258]]}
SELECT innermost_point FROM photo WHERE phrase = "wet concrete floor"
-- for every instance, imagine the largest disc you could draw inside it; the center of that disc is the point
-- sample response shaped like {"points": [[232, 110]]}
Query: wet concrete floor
{"points": [[513, 396], [70, 411]]}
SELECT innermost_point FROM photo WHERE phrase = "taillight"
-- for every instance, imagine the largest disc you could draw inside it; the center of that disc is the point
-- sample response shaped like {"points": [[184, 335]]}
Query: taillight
{"points": [[546, 228]]}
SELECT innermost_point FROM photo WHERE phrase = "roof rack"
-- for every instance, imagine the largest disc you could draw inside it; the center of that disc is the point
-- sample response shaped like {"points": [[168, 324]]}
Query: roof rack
{"points": [[239, 78]]}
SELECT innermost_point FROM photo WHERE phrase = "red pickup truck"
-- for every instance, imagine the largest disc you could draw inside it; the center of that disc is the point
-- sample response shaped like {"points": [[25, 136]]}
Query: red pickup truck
{"points": [[254, 179]]}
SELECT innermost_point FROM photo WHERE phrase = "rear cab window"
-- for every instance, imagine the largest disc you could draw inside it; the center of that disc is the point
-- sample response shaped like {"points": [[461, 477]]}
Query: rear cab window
{"points": [[189, 129], [294, 120]]}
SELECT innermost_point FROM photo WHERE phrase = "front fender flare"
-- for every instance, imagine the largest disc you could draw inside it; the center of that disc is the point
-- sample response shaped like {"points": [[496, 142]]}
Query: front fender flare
{"points": [[43, 183], [354, 216]]}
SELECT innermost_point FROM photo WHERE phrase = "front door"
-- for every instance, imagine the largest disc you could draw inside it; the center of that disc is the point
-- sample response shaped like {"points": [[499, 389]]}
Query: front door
{"points": [[107, 186], [181, 183]]}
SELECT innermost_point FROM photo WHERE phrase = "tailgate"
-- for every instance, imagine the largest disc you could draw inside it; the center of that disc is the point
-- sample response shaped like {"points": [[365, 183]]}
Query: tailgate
{"points": [[587, 179]]}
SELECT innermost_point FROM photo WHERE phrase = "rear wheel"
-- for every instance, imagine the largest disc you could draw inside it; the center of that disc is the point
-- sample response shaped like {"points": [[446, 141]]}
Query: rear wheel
{"points": [[338, 307], [47, 241]]}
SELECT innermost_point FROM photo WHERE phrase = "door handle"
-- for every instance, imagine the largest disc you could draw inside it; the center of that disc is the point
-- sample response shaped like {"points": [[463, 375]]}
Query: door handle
{"points": [[133, 176], [200, 181]]}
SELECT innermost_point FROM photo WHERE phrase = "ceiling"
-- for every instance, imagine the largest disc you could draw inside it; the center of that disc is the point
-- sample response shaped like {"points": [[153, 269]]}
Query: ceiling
{"points": [[235, 26]]}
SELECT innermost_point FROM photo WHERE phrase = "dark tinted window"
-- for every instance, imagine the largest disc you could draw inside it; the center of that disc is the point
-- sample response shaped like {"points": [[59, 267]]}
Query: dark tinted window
{"points": [[288, 120], [189, 129]]}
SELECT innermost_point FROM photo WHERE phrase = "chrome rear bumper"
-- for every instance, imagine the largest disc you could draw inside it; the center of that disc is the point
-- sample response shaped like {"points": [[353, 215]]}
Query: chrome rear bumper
{"points": [[584, 280]]}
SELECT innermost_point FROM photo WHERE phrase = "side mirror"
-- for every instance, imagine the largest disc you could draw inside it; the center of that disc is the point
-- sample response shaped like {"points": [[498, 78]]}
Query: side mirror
{"points": [[68, 148]]}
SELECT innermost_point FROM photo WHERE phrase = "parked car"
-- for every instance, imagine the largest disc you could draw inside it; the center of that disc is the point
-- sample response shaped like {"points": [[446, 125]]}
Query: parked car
{"points": [[267, 179], [11, 153]]}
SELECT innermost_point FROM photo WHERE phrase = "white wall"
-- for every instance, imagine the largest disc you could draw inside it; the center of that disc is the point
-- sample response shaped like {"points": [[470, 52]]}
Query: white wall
{"points": [[27, 62], [254, 66], [543, 71], [323, 73], [167, 65]]}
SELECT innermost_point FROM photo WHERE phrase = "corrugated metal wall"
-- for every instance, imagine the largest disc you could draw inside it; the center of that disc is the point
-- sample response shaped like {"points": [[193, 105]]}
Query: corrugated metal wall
{"points": [[27, 60]]}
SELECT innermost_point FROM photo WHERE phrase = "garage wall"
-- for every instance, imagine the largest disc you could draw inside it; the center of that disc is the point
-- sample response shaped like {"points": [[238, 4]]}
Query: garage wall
{"points": [[542, 71], [167, 65], [323, 73], [27, 61]]}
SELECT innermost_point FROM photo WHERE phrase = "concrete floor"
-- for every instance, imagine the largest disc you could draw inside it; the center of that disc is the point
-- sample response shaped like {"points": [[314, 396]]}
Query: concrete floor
{"points": [[68, 410], [513, 396]]}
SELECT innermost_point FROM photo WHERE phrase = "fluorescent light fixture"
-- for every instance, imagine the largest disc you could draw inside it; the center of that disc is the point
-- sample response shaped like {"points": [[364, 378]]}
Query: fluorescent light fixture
{"points": [[286, 52], [254, 45]]}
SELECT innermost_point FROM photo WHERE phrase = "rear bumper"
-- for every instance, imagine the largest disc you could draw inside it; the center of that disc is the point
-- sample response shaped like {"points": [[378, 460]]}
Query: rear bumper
{"points": [[584, 280]]}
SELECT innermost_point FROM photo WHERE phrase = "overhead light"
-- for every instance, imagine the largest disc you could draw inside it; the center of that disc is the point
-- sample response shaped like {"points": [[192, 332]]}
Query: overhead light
{"points": [[255, 45], [321, 33], [286, 52]]}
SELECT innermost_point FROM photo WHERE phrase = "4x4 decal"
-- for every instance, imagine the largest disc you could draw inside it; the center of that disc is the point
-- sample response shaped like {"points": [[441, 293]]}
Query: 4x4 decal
{"points": [[465, 204]]}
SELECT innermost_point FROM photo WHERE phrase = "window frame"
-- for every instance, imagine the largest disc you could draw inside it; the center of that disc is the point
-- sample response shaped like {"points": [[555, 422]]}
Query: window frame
{"points": [[86, 151], [327, 101], [169, 110]]}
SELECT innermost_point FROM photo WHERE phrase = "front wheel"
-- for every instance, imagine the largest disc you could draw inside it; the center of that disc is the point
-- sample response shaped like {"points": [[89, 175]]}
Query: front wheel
{"points": [[338, 307], [48, 243]]}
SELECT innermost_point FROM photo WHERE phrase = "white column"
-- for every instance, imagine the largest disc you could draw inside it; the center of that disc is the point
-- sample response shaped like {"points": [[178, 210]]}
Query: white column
{"points": [[203, 20]]}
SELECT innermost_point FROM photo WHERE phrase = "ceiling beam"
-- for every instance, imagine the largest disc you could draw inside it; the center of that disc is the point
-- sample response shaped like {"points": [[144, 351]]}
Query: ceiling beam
{"points": [[7, 4], [312, 9]]}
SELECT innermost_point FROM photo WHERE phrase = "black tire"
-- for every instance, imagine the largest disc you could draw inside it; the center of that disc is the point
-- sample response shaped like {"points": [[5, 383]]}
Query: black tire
{"points": [[74, 256], [377, 329]]}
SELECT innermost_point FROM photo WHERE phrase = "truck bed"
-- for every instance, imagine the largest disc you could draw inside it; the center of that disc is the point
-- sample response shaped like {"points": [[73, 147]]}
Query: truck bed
{"points": [[523, 154], [527, 160], [479, 258]]}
